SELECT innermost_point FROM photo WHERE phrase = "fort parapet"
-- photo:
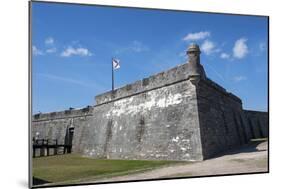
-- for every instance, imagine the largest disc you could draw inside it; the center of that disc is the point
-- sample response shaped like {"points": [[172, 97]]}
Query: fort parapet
{"points": [[65, 114], [163, 79]]}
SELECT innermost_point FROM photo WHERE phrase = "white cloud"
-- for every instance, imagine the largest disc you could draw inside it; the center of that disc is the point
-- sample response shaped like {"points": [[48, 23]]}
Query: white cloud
{"points": [[240, 49], [225, 56], [36, 51], [239, 78], [49, 41], [208, 47], [197, 36], [51, 50], [70, 51]]}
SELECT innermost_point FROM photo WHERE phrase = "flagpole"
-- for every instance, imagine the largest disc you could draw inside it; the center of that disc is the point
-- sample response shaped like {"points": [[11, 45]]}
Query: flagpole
{"points": [[112, 75]]}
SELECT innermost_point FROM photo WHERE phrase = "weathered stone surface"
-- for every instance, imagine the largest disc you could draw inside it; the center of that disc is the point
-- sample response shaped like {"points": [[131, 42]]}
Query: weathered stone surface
{"points": [[258, 123], [222, 122], [158, 124], [55, 126]]}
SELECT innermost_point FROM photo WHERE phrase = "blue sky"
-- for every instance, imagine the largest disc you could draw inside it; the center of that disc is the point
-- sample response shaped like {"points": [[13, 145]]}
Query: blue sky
{"points": [[73, 45]]}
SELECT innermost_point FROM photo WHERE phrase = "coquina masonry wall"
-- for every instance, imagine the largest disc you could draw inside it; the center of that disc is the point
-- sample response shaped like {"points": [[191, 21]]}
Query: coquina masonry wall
{"points": [[155, 118], [178, 114], [157, 124], [55, 125], [258, 123], [223, 124]]}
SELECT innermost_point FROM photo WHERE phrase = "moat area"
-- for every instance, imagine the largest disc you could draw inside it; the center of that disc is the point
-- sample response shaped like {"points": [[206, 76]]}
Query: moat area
{"points": [[250, 158]]}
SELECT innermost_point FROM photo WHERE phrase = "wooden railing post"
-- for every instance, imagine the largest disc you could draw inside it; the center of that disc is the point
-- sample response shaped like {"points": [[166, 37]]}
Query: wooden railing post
{"points": [[47, 147], [56, 147]]}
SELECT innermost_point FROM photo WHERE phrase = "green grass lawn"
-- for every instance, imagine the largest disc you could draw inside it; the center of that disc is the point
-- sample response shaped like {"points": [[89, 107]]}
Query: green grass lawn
{"points": [[72, 168]]}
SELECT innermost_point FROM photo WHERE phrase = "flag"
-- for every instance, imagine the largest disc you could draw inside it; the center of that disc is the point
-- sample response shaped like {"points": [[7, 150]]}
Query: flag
{"points": [[115, 63]]}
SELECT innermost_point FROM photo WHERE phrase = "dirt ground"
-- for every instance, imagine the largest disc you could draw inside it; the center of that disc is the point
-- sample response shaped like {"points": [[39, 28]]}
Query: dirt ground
{"points": [[247, 159]]}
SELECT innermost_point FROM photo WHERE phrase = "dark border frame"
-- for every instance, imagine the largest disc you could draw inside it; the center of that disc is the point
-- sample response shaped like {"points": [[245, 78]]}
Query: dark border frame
{"points": [[30, 181]]}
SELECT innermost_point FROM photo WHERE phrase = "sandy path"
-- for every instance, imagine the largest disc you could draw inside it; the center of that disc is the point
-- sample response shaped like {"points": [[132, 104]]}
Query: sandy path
{"points": [[245, 160]]}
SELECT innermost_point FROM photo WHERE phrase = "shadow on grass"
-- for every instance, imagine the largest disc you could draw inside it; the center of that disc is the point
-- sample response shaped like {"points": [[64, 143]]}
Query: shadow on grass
{"points": [[37, 181]]}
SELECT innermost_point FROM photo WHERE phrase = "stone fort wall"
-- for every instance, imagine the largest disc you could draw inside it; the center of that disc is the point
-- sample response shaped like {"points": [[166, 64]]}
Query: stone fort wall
{"points": [[222, 121], [178, 114], [154, 124], [55, 125], [258, 123], [154, 118]]}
